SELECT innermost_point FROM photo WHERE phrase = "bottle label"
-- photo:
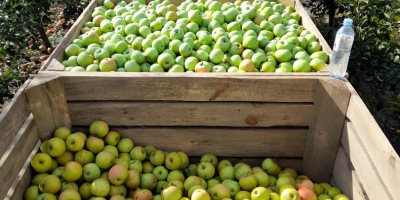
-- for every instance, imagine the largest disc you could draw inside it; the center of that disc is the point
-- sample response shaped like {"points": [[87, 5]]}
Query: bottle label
{"points": [[343, 43]]}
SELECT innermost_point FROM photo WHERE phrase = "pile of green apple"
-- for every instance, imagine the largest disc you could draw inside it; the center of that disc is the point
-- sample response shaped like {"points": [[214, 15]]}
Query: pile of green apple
{"points": [[102, 165], [202, 36]]}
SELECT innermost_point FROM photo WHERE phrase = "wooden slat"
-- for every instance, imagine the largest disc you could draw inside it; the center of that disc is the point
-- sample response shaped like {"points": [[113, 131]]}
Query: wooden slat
{"points": [[238, 142], [379, 149], [22, 182], [363, 165], [326, 123], [48, 105], [190, 113], [345, 178], [17, 154], [294, 163], [13, 117], [73, 33], [187, 87]]}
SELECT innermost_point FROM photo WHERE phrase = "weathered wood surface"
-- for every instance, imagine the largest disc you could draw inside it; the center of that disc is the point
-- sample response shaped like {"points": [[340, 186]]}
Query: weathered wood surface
{"points": [[146, 113], [326, 123], [366, 171], [345, 177], [48, 105], [17, 154], [384, 158], [168, 87], [23, 180], [225, 142], [13, 117]]}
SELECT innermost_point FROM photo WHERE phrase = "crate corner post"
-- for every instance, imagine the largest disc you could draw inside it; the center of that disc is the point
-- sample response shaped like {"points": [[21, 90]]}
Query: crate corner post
{"points": [[46, 97], [326, 123]]}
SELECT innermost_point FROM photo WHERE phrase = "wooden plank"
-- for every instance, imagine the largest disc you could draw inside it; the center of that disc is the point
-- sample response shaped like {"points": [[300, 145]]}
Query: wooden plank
{"points": [[73, 33], [363, 165], [345, 178], [23, 180], [48, 105], [326, 123], [13, 117], [17, 154], [231, 114], [379, 149], [294, 163], [226, 142], [185, 87]]}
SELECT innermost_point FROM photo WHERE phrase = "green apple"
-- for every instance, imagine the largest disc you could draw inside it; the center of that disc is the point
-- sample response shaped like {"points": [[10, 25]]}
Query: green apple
{"points": [[157, 157], [31, 193], [324, 197], [125, 145], [191, 170], [105, 159], [72, 171], [313, 47], [227, 172], [176, 175], [171, 193], [218, 68], [91, 172], [84, 59], [46, 196], [200, 194], [206, 170], [94, 144], [112, 149], [138, 57], [100, 187], [333, 191], [302, 55], [310, 38], [190, 62], [160, 172], [137, 43], [247, 65], [132, 66], [68, 185], [65, 157], [117, 174], [156, 68], [151, 55], [72, 50], [136, 165], [216, 56], [110, 48], [320, 55], [55, 147], [176, 68], [90, 38], [317, 64], [185, 49], [41, 162], [50, 184], [203, 66], [107, 65], [275, 18], [259, 193], [279, 30], [62, 132], [270, 167], [257, 59], [283, 55], [250, 42]]}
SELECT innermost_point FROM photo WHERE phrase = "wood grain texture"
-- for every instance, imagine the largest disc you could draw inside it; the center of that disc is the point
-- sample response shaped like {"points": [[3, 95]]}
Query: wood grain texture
{"points": [[188, 88], [378, 148], [238, 142], [17, 154], [48, 105], [294, 163], [23, 180], [363, 165], [345, 177], [13, 117], [326, 123], [146, 113]]}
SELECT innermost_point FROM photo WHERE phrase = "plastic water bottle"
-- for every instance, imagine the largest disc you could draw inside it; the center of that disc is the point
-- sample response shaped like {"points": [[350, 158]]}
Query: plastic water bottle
{"points": [[341, 49]]}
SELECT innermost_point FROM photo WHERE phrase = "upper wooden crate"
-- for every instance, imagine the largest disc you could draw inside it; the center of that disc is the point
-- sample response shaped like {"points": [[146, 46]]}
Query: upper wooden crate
{"points": [[53, 63], [317, 125]]}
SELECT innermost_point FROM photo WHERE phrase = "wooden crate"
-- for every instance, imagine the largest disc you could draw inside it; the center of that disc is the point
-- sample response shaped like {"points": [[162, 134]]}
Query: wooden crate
{"points": [[54, 61], [317, 125]]}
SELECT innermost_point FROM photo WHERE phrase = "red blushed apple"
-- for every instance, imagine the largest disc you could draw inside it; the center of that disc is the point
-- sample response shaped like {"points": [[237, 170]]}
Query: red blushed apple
{"points": [[305, 183], [143, 194], [307, 194]]}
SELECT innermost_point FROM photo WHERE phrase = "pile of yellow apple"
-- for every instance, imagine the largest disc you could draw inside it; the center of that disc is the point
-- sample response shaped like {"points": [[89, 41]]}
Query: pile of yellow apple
{"points": [[202, 36], [104, 166]]}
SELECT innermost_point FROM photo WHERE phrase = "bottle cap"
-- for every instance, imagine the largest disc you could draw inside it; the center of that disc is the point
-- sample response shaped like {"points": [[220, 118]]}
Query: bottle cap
{"points": [[348, 22]]}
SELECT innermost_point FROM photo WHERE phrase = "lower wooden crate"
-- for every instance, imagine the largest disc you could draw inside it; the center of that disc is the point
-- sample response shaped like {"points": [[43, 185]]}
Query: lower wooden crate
{"points": [[327, 125]]}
